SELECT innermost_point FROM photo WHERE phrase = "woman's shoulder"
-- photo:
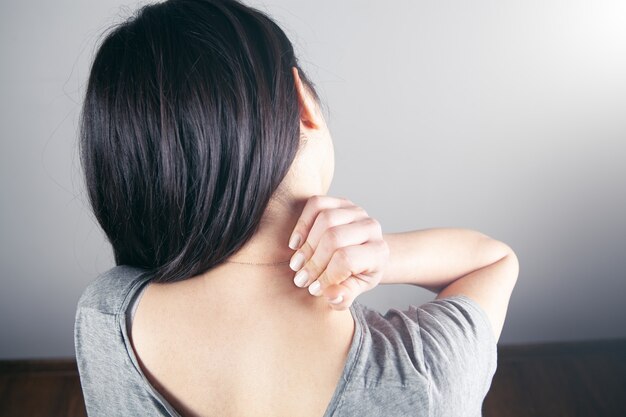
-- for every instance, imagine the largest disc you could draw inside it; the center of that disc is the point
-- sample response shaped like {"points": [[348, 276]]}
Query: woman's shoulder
{"points": [[439, 355], [429, 331], [108, 291]]}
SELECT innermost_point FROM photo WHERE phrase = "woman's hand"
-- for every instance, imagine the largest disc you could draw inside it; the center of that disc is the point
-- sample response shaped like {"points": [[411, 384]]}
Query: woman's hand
{"points": [[340, 253]]}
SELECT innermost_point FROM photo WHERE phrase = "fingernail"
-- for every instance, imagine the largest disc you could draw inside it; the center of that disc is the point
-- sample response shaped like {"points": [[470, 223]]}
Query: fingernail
{"points": [[300, 278], [294, 241], [336, 300], [297, 261], [314, 288]]}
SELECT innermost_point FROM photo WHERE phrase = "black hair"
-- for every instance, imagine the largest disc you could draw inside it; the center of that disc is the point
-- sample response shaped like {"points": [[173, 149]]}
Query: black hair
{"points": [[189, 124]]}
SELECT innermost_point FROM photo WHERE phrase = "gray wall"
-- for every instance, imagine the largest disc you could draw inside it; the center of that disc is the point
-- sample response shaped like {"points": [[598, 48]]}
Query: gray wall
{"points": [[507, 117]]}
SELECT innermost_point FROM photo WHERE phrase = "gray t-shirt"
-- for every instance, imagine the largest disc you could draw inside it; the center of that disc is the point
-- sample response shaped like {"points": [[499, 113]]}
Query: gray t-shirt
{"points": [[435, 360]]}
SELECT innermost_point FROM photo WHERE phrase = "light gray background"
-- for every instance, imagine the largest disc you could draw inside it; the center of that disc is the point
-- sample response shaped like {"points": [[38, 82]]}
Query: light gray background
{"points": [[506, 117]]}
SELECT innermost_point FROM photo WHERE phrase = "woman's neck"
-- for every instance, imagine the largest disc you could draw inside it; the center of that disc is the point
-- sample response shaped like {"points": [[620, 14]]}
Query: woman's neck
{"points": [[270, 243]]}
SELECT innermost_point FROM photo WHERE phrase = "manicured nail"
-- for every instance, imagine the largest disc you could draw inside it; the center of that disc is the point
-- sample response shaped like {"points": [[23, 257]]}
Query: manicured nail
{"points": [[294, 241], [314, 288], [301, 278], [336, 300], [297, 261]]}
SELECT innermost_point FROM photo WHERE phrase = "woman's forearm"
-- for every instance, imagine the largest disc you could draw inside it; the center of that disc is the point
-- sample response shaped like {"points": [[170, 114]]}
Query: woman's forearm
{"points": [[434, 258]]}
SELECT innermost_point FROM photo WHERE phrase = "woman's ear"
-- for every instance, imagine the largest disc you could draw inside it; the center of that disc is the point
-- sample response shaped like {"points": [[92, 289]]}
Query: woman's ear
{"points": [[309, 115]]}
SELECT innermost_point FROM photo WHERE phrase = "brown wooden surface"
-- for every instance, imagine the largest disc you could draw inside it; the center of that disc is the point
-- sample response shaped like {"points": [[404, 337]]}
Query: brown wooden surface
{"points": [[40, 388], [586, 379]]}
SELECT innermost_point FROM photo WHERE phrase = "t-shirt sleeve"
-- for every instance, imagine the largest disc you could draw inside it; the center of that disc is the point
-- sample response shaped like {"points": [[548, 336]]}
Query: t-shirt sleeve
{"points": [[460, 354]]}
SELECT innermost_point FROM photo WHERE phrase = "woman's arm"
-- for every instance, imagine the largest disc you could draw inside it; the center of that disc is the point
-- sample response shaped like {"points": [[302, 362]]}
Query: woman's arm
{"points": [[453, 261], [434, 258], [341, 252]]}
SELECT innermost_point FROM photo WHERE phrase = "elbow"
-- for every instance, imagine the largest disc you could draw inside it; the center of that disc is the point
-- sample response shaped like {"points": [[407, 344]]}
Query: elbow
{"points": [[512, 261], [494, 250], [502, 253]]}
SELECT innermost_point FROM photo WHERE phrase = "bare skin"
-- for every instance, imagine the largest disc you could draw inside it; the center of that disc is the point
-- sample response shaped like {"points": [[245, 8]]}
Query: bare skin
{"points": [[212, 352]]}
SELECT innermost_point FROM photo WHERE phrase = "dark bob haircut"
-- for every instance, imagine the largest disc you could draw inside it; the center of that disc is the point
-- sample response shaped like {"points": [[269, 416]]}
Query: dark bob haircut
{"points": [[189, 124]]}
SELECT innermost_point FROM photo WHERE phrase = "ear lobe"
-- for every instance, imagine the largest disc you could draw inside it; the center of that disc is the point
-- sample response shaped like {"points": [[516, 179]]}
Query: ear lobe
{"points": [[308, 114]]}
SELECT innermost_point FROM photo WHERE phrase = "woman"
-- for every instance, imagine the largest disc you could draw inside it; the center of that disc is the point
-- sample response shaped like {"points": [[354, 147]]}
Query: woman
{"points": [[207, 162]]}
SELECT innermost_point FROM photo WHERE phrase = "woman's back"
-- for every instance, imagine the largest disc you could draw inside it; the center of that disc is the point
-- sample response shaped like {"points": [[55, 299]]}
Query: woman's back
{"points": [[437, 359], [249, 356]]}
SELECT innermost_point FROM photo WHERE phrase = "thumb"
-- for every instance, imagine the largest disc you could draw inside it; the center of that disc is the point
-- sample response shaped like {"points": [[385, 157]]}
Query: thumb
{"points": [[341, 296]]}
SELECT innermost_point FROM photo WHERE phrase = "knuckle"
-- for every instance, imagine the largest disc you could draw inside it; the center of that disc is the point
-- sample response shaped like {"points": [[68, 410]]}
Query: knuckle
{"points": [[301, 225], [384, 247], [316, 200], [313, 268], [306, 249], [375, 224], [332, 237], [324, 279], [344, 259], [326, 217]]}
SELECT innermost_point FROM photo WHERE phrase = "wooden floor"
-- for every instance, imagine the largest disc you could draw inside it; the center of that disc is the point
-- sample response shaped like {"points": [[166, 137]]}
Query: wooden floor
{"points": [[582, 379], [586, 379]]}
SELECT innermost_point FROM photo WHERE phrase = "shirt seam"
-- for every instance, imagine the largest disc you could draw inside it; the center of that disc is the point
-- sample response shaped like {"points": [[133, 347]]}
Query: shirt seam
{"points": [[122, 327], [357, 353], [468, 301], [428, 376], [137, 281], [483, 317], [97, 310]]}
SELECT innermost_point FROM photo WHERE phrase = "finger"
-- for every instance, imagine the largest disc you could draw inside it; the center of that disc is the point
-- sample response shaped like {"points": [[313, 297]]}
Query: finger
{"points": [[311, 208], [326, 218], [366, 258], [351, 234], [341, 296], [336, 294]]}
